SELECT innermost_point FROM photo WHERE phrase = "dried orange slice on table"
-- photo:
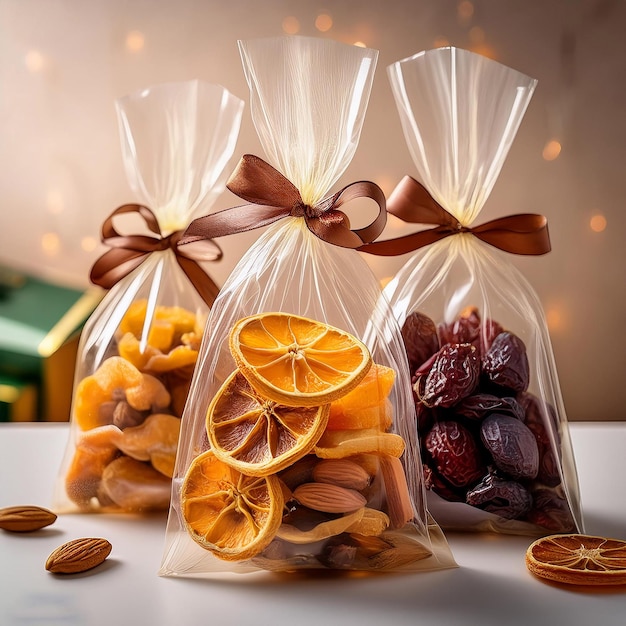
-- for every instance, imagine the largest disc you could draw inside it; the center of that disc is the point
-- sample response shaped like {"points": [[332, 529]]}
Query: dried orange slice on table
{"points": [[298, 361], [578, 559], [258, 436], [233, 515]]}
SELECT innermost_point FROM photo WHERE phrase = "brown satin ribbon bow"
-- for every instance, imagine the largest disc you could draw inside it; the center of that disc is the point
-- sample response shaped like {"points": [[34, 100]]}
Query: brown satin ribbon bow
{"points": [[129, 251], [523, 233], [271, 197]]}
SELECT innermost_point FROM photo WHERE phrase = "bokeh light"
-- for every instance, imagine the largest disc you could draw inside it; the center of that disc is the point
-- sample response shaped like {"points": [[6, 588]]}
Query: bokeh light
{"points": [[54, 202], [291, 25], [465, 11], [476, 35], [323, 22], [135, 41], [34, 61], [88, 244], [441, 42], [50, 244], [597, 223], [555, 317], [360, 44], [551, 150]]}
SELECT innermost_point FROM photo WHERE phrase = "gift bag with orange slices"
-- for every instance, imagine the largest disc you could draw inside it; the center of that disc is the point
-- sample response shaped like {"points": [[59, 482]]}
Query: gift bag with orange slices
{"points": [[493, 430], [298, 449], [138, 349]]}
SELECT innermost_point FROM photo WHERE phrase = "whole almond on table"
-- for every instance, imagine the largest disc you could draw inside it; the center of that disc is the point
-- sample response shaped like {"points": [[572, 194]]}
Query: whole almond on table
{"points": [[78, 555], [25, 518]]}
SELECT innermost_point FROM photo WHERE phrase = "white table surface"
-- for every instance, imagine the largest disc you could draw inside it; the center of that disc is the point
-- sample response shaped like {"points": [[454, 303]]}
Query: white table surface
{"points": [[490, 586]]}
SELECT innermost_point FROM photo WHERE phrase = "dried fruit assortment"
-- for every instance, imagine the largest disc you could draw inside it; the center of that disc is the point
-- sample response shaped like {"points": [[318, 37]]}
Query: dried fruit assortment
{"points": [[291, 483], [128, 412], [485, 439]]}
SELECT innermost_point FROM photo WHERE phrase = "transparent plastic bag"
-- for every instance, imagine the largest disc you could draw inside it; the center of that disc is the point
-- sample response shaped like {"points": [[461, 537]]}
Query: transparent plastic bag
{"points": [[308, 489], [492, 424], [138, 349]]}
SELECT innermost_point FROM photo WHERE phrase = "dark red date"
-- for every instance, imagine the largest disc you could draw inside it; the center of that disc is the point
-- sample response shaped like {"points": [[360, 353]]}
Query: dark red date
{"points": [[505, 364], [511, 444], [454, 453], [454, 374]]}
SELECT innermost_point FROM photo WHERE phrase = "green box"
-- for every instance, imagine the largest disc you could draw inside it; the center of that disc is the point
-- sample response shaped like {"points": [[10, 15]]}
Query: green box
{"points": [[40, 324]]}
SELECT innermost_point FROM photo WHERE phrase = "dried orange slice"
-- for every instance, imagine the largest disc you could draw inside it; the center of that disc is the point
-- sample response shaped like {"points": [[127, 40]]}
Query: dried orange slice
{"points": [[258, 436], [578, 559], [233, 515], [298, 361]]}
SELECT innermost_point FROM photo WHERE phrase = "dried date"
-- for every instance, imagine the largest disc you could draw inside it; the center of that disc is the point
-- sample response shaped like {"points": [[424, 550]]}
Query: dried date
{"points": [[454, 374], [505, 364], [468, 328], [454, 453], [511, 444], [479, 405], [506, 498], [420, 339]]}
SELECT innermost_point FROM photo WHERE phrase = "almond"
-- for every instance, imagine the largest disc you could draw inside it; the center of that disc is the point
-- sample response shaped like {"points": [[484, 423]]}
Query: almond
{"points": [[329, 498], [341, 472], [25, 519], [78, 555]]}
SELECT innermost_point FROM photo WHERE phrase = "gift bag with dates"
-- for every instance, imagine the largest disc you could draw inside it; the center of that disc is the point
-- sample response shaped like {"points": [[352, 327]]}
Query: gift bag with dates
{"points": [[138, 349], [296, 451], [492, 425]]}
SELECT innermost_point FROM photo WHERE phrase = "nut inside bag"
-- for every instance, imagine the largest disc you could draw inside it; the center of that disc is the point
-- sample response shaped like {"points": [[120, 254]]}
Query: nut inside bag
{"points": [[493, 430], [138, 349], [298, 448]]}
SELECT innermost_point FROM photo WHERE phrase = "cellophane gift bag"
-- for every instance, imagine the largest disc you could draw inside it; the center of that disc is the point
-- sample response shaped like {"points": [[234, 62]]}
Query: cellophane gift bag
{"points": [[138, 349], [493, 430], [298, 448]]}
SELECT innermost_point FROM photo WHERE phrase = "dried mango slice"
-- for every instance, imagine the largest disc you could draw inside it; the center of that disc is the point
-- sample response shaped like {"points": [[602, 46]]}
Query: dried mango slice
{"points": [[129, 348], [183, 320], [371, 524], [161, 335], [337, 444], [180, 356], [321, 531], [134, 318]]}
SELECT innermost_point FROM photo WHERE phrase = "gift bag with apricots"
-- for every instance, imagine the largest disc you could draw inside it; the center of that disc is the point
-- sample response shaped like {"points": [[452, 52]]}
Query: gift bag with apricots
{"points": [[493, 431], [138, 349], [296, 452]]}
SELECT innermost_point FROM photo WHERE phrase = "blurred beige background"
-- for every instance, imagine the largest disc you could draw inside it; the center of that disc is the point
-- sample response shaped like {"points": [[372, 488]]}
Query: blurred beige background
{"points": [[64, 62]]}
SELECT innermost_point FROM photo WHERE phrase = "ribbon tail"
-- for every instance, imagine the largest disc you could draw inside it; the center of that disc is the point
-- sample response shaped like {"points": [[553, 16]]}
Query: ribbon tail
{"points": [[202, 282], [114, 265], [524, 233], [408, 243], [230, 221]]}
